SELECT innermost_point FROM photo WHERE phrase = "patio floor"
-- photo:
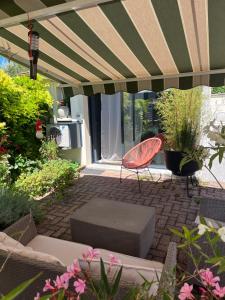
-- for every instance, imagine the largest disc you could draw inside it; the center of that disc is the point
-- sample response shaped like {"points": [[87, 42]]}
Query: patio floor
{"points": [[173, 207]]}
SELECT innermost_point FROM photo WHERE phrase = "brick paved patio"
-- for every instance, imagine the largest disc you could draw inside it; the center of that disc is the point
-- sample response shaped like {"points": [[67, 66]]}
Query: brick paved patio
{"points": [[173, 207]]}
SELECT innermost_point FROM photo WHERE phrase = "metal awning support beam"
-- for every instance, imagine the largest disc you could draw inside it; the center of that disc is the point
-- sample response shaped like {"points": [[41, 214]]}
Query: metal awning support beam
{"points": [[218, 71], [50, 11], [42, 70]]}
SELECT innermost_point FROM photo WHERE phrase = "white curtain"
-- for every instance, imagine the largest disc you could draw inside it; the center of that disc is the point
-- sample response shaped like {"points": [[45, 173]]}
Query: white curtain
{"points": [[111, 147]]}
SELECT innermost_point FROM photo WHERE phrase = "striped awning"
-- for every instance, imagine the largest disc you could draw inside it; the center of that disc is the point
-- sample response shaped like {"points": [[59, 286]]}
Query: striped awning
{"points": [[122, 45]]}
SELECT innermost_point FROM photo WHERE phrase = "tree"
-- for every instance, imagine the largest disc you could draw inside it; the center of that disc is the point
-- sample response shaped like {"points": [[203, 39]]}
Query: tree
{"points": [[13, 69]]}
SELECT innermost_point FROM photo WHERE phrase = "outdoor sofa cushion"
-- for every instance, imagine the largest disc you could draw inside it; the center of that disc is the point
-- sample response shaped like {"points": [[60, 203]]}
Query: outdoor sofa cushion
{"points": [[132, 268], [67, 251], [10, 245], [10, 242]]}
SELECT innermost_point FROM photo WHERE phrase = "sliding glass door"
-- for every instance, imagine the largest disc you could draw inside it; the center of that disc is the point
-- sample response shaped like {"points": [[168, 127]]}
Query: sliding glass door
{"points": [[126, 120]]}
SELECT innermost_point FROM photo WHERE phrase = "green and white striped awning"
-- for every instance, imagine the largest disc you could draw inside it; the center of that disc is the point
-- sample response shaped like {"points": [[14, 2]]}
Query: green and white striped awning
{"points": [[122, 45]]}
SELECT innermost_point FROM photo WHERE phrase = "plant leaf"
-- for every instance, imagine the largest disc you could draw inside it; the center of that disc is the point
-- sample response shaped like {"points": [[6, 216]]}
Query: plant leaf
{"points": [[104, 278], [20, 288], [117, 282]]}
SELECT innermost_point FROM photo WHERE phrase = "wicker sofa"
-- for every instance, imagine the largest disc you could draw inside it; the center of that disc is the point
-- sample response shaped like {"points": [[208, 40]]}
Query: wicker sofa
{"points": [[213, 211], [19, 268]]}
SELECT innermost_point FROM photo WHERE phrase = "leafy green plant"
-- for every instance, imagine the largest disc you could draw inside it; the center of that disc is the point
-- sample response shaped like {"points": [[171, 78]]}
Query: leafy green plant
{"points": [[53, 175], [15, 204], [5, 178], [180, 113], [22, 101], [13, 294], [49, 150], [218, 90], [23, 165]]}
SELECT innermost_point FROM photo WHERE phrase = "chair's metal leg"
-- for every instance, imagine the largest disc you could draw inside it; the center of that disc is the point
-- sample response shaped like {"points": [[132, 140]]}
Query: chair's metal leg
{"points": [[139, 182], [121, 169], [150, 174]]}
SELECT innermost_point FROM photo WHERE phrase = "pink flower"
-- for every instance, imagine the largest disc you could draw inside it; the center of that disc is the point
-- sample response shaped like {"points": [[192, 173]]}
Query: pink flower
{"points": [[208, 277], [80, 286], [62, 282], [48, 286], [219, 291], [91, 254], [185, 292], [37, 297], [114, 260], [73, 269]]}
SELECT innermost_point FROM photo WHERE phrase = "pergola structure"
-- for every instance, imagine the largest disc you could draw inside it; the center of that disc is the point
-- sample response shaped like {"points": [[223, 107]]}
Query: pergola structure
{"points": [[105, 46]]}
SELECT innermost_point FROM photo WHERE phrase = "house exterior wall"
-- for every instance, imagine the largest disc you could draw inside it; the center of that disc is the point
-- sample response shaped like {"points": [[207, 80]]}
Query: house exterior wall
{"points": [[214, 108], [83, 154]]}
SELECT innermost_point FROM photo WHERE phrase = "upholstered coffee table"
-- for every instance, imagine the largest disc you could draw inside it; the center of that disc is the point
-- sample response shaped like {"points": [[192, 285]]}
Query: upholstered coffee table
{"points": [[113, 225]]}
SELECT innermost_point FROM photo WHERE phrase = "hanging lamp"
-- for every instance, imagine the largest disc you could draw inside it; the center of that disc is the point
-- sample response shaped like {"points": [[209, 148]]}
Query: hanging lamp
{"points": [[33, 51]]}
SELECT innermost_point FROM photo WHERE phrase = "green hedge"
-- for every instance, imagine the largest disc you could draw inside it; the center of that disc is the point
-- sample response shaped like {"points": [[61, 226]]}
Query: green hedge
{"points": [[54, 175]]}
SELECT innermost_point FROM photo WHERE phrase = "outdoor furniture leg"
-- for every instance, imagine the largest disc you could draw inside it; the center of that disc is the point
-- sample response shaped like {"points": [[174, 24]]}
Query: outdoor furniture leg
{"points": [[139, 182], [121, 173], [150, 174]]}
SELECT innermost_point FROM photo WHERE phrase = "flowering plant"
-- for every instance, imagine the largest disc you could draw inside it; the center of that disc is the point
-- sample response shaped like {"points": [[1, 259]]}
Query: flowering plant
{"points": [[78, 282], [3, 139], [216, 134], [204, 282]]}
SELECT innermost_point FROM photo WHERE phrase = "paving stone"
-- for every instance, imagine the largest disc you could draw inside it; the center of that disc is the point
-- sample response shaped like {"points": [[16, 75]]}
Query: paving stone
{"points": [[173, 208]]}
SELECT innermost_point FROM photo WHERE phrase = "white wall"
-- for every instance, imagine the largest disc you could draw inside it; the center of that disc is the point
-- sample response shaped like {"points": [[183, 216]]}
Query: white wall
{"points": [[214, 105], [79, 110]]}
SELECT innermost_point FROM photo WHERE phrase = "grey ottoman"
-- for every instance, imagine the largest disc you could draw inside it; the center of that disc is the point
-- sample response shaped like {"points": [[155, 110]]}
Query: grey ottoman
{"points": [[116, 226]]}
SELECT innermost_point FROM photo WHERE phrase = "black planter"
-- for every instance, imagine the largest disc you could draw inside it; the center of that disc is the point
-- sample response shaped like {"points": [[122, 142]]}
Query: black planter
{"points": [[173, 160]]}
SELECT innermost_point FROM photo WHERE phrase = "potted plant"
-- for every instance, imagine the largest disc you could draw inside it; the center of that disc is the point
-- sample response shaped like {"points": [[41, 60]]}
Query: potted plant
{"points": [[180, 113]]}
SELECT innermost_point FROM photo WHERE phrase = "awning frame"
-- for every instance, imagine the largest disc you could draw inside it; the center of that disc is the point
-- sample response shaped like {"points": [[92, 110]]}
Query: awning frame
{"points": [[50, 11]]}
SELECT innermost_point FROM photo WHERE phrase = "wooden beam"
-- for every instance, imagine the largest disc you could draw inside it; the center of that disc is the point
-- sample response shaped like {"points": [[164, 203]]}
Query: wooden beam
{"points": [[50, 11]]}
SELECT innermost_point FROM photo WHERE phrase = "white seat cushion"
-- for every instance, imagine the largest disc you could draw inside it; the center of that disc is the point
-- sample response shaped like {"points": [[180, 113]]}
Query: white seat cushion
{"points": [[131, 260], [65, 251], [8, 241], [132, 268], [10, 245]]}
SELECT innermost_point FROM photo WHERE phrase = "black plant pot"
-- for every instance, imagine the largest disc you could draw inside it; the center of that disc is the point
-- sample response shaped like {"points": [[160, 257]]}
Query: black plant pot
{"points": [[173, 160]]}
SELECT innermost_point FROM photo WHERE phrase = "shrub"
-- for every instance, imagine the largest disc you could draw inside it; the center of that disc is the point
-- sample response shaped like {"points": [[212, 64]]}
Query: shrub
{"points": [[5, 178], [180, 113], [49, 150], [22, 164], [15, 204], [22, 101], [54, 175]]}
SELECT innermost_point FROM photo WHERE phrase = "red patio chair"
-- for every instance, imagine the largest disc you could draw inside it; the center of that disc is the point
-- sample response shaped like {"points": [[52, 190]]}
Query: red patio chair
{"points": [[140, 156]]}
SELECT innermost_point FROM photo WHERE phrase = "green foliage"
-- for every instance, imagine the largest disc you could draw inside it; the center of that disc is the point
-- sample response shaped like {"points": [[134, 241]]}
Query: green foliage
{"points": [[218, 90], [180, 113], [49, 150], [19, 289], [24, 165], [15, 204], [219, 152], [53, 175], [22, 101], [13, 69], [5, 178]]}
